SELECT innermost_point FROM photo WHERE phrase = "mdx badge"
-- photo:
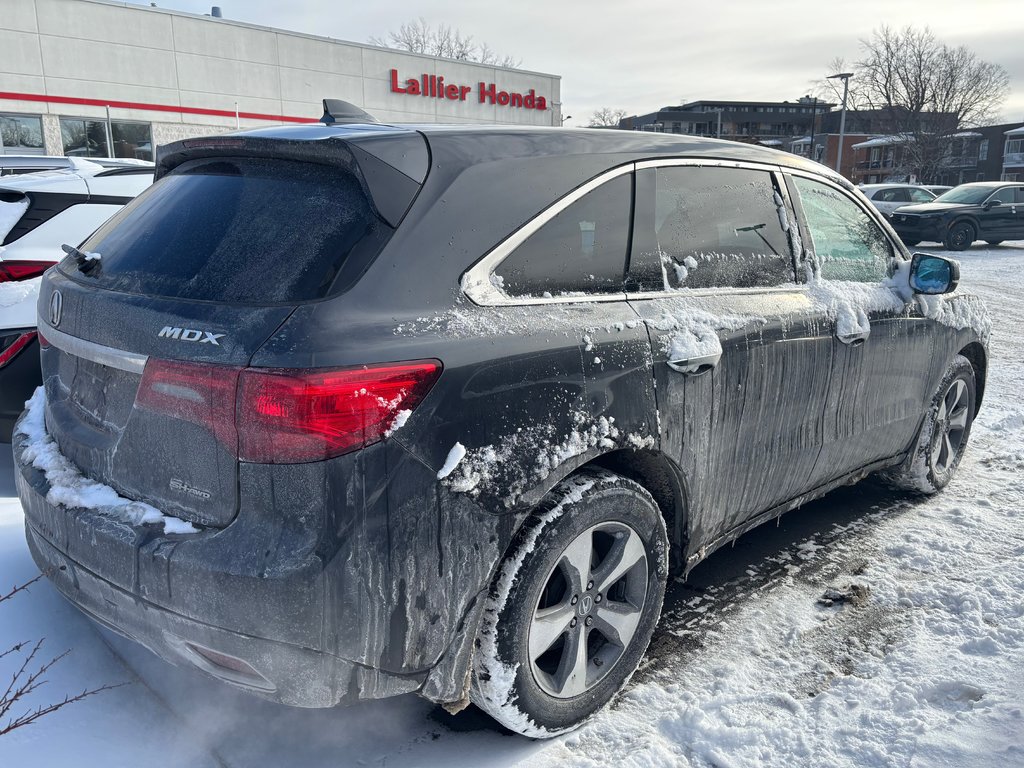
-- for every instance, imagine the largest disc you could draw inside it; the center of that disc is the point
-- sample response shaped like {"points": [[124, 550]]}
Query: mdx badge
{"points": [[190, 334], [56, 308]]}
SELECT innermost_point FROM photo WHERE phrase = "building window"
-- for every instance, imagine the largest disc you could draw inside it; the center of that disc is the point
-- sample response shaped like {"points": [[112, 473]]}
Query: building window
{"points": [[88, 138], [1014, 146], [983, 150], [21, 135]]}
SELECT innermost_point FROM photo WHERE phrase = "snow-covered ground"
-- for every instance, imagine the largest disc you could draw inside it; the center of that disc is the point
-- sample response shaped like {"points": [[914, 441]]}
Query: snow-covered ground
{"points": [[922, 666]]}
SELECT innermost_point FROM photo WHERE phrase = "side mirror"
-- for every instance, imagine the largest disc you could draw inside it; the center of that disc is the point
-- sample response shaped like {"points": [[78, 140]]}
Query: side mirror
{"points": [[992, 204], [933, 274]]}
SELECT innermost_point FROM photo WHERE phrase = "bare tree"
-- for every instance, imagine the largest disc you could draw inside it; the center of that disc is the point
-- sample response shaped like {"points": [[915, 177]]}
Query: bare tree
{"points": [[607, 117], [29, 676], [831, 91], [926, 92], [418, 36]]}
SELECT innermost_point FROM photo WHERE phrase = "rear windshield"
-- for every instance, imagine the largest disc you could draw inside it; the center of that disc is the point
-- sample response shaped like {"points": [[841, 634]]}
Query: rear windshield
{"points": [[237, 230]]}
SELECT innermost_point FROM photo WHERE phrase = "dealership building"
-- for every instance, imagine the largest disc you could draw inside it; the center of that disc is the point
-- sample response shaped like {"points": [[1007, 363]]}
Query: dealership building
{"points": [[113, 79]]}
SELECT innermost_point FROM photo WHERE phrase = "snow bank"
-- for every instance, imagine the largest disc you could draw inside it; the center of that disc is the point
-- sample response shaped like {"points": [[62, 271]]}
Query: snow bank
{"points": [[70, 488]]}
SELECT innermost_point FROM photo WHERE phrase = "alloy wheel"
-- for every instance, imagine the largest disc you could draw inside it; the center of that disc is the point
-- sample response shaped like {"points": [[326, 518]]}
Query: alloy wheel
{"points": [[950, 426], [589, 609]]}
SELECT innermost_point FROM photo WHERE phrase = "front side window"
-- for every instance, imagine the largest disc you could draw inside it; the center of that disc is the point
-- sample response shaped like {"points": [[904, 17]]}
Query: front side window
{"points": [[581, 250], [848, 244], [711, 227], [21, 135], [921, 196], [1004, 196]]}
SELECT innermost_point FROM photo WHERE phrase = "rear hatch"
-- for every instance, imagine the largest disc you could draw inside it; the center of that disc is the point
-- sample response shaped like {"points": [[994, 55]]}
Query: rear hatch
{"points": [[144, 347]]}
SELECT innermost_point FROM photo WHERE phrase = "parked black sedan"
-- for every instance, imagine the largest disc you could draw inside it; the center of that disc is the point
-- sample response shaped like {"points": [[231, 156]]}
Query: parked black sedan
{"points": [[992, 211]]}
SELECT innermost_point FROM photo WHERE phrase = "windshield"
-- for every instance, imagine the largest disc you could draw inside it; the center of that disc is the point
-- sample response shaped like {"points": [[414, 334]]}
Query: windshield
{"points": [[967, 193]]}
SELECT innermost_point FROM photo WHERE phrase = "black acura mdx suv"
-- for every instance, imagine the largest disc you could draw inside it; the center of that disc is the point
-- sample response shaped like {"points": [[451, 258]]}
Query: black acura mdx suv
{"points": [[346, 411]]}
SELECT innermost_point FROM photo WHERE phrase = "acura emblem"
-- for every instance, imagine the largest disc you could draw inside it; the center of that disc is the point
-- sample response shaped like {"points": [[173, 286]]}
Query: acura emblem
{"points": [[586, 604], [56, 306]]}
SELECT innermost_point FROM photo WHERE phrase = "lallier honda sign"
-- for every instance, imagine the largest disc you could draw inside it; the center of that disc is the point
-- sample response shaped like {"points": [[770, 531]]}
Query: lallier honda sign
{"points": [[434, 87]]}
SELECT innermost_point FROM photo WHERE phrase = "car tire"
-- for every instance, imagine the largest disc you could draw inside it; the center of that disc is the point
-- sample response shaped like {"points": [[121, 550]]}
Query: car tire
{"points": [[527, 674], [960, 236], [993, 242], [944, 434]]}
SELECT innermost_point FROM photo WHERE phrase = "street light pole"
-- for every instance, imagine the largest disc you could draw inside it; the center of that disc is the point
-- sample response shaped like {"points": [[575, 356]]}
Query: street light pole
{"points": [[814, 119], [845, 77]]}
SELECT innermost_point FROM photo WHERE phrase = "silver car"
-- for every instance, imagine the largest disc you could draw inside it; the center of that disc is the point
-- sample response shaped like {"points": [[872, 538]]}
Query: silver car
{"points": [[888, 197]]}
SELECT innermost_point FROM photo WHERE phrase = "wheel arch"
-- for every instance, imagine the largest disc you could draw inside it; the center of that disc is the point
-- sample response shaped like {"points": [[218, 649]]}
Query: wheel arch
{"points": [[978, 358], [967, 219], [666, 484]]}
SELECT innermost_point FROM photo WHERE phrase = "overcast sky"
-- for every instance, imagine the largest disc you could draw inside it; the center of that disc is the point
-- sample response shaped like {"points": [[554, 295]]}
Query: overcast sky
{"points": [[643, 56]]}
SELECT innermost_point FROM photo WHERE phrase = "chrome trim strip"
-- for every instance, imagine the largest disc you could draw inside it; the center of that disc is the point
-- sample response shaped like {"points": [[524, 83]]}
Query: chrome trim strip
{"points": [[90, 350], [709, 162], [476, 281], [703, 293]]}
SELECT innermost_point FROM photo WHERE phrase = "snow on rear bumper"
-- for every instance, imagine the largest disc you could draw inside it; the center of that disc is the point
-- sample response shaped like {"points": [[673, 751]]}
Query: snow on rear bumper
{"points": [[179, 595]]}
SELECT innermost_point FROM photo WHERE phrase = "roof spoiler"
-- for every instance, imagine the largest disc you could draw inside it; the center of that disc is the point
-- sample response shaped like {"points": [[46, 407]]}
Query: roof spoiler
{"points": [[338, 111]]}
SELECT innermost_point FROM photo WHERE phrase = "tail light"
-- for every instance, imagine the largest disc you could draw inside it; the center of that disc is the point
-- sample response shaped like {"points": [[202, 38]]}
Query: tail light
{"points": [[285, 416], [200, 394], [12, 345], [16, 271]]}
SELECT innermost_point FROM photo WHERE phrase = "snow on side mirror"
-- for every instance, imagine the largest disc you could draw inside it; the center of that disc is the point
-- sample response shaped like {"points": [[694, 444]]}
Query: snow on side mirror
{"points": [[933, 274]]}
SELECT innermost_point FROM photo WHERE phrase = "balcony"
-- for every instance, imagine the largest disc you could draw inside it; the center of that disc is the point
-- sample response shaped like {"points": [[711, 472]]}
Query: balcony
{"points": [[959, 161], [870, 164]]}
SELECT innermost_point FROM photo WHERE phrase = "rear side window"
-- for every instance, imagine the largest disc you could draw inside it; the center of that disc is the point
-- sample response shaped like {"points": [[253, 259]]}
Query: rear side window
{"points": [[898, 195], [712, 227], [240, 230], [581, 250], [847, 243]]}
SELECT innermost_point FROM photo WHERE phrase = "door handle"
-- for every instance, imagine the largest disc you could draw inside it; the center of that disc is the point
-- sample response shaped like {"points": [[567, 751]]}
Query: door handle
{"points": [[854, 339], [695, 366]]}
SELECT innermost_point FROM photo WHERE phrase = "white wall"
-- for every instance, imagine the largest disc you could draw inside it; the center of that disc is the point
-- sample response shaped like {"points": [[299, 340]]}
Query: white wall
{"points": [[107, 51]]}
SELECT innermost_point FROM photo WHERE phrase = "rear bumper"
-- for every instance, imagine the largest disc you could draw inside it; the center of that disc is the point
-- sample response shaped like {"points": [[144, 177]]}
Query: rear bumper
{"points": [[278, 671], [152, 588]]}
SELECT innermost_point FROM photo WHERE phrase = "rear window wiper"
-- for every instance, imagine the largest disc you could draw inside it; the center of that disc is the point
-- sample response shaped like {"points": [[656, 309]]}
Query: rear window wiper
{"points": [[86, 260]]}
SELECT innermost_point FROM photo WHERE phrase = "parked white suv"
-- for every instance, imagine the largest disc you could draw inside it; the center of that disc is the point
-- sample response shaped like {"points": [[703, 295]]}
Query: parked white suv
{"points": [[39, 212], [888, 197]]}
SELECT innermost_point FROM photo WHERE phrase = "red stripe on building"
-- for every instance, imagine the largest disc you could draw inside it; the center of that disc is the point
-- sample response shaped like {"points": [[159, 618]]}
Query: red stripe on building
{"points": [[6, 96]]}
